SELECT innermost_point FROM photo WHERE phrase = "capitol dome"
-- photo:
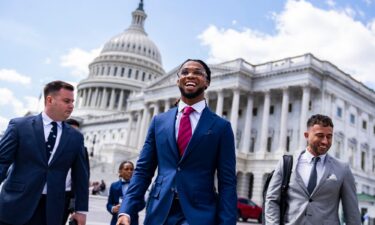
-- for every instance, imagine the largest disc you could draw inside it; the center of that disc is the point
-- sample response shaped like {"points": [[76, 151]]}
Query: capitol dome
{"points": [[134, 40], [127, 63]]}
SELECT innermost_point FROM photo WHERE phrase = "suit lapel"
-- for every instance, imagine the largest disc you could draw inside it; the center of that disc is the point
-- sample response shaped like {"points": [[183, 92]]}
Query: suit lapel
{"points": [[38, 127], [205, 122], [169, 128], [63, 141], [327, 172]]}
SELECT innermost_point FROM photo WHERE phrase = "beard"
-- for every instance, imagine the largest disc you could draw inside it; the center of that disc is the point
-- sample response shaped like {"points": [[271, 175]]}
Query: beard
{"points": [[192, 95]]}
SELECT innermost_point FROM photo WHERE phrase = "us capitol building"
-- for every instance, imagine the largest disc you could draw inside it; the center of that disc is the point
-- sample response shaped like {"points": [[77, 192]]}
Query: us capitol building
{"points": [[267, 104]]}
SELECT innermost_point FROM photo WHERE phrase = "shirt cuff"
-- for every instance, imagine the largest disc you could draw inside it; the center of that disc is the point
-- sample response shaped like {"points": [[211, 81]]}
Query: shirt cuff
{"points": [[82, 212], [124, 214]]}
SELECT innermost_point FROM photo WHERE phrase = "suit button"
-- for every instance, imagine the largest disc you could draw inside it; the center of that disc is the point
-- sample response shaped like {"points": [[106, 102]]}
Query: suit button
{"points": [[178, 169], [310, 200]]}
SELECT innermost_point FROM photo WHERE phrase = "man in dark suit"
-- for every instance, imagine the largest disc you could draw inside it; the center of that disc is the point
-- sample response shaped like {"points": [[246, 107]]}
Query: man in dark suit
{"points": [[41, 150], [118, 190], [188, 144]]}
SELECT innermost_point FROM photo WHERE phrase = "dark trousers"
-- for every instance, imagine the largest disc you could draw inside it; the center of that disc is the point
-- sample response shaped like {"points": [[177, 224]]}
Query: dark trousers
{"points": [[175, 215], [39, 216]]}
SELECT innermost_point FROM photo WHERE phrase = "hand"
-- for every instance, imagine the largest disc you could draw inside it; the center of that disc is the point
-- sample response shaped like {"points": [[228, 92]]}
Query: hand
{"points": [[116, 208], [80, 217], [123, 220]]}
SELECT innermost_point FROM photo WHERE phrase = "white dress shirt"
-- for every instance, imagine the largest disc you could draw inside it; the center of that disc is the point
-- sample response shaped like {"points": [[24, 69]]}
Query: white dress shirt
{"points": [[194, 116], [305, 165], [47, 126]]}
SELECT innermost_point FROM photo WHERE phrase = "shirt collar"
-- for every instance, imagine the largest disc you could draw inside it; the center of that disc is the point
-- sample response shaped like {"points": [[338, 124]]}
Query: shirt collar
{"points": [[47, 120], [308, 156], [198, 107]]}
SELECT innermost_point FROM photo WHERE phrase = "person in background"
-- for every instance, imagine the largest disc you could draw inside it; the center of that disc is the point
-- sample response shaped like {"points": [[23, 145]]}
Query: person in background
{"points": [[318, 183], [189, 145], [41, 150], [118, 190]]}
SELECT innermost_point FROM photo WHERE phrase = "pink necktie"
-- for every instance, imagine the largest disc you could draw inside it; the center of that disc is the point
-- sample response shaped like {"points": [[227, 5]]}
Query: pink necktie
{"points": [[184, 131]]}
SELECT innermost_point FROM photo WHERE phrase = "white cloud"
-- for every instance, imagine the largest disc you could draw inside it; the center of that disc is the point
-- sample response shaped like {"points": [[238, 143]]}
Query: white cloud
{"points": [[3, 123], [19, 107], [301, 28], [234, 22], [368, 2], [13, 76], [78, 60]]}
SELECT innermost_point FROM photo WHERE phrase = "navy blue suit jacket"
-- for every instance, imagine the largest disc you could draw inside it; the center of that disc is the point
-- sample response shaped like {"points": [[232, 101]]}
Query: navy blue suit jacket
{"points": [[210, 150], [23, 147], [115, 192]]}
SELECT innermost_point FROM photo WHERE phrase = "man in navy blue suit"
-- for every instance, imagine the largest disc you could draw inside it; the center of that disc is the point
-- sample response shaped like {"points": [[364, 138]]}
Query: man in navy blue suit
{"points": [[118, 190], [41, 150], [188, 145]]}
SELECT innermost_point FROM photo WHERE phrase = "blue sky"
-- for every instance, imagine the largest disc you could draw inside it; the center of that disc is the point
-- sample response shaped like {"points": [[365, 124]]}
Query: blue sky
{"points": [[44, 40]]}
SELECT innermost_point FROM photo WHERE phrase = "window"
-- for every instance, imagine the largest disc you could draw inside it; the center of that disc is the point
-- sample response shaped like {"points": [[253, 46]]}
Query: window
{"points": [[269, 144], [136, 74], [373, 163], [129, 73], [271, 110], [255, 113], [290, 107], [352, 118], [339, 112], [143, 76], [374, 129], [364, 124], [287, 143], [122, 71], [310, 105]]}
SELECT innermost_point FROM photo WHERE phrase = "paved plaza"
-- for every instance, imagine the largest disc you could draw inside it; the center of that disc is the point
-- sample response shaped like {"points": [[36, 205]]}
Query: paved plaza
{"points": [[98, 214]]}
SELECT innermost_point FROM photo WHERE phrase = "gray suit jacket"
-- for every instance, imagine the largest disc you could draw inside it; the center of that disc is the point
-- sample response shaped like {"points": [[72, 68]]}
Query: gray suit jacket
{"points": [[321, 208]]}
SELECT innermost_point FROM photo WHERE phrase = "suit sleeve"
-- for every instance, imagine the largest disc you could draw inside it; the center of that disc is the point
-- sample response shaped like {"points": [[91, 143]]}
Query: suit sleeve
{"points": [[111, 199], [226, 173], [8, 149], [80, 178], [349, 199], [143, 173], [272, 204]]}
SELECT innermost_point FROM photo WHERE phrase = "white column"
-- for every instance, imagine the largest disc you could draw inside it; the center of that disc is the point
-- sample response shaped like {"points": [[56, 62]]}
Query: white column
{"points": [[247, 130], [78, 99], [121, 100], [84, 98], [113, 97], [137, 129], [265, 120], [283, 122], [130, 125], [220, 102], [156, 109], [94, 97], [303, 118], [207, 98], [88, 103], [234, 112], [142, 133], [166, 105], [103, 103]]}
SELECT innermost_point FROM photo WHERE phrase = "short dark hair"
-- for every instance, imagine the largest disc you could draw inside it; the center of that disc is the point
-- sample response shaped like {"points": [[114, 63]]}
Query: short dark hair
{"points": [[56, 86], [206, 68], [123, 163], [73, 122], [323, 120]]}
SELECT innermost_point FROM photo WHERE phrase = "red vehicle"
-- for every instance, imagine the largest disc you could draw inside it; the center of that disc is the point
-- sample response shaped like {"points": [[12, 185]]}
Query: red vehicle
{"points": [[247, 209]]}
